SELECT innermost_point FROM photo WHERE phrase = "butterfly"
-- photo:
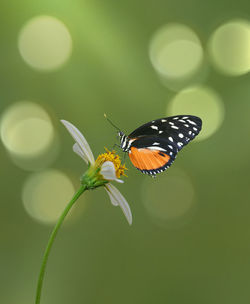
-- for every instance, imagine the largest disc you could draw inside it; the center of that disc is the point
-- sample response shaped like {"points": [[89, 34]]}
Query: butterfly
{"points": [[153, 147]]}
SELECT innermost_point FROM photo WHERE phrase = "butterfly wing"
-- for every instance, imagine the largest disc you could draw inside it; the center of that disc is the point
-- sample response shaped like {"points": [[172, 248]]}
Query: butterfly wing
{"points": [[176, 130], [151, 154], [189, 125], [155, 144]]}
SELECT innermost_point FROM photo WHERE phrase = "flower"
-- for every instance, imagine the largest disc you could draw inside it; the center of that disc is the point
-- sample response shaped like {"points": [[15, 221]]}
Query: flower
{"points": [[106, 168]]}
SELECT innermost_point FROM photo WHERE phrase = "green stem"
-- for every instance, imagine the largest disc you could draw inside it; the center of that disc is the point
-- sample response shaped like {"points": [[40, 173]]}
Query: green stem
{"points": [[51, 241]]}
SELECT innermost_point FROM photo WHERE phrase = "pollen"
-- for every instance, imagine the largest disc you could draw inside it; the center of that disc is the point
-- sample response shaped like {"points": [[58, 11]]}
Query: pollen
{"points": [[115, 159]]}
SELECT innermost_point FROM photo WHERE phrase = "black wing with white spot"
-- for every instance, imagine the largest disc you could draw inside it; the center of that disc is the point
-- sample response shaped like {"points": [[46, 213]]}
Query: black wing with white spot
{"points": [[153, 146], [176, 130]]}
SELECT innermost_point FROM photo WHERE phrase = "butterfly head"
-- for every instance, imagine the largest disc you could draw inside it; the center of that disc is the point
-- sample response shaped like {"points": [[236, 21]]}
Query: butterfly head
{"points": [[120, 134], [123, 140]]}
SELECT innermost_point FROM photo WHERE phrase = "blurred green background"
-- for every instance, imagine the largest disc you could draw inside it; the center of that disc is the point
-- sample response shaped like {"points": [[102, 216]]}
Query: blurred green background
{"points": [[135, 61]]}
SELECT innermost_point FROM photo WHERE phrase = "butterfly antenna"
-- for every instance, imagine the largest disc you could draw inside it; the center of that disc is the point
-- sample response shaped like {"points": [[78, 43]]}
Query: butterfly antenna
{"points": [[111, 122]]}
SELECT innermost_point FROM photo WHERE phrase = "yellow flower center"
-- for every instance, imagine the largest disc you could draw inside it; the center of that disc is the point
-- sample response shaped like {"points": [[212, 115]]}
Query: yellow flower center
{"points": [[115, 159]]}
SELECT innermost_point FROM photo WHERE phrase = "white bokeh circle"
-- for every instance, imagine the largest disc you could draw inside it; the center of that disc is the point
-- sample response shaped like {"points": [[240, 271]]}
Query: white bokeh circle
{"points": [[45, 43]]}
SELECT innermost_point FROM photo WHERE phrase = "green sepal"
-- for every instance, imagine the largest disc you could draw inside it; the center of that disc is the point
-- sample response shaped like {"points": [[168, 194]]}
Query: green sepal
{"points": [[92, 179]]}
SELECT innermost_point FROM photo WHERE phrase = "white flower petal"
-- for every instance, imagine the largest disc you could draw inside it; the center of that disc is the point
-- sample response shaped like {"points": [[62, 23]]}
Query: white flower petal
{"points": [[108, 171], [119, 181], [80, 139], [113, 201], [78, 151], [117, 199]]}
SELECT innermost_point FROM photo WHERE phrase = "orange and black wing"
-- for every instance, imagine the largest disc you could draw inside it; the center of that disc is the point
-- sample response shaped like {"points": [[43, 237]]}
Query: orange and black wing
{"points": [[154, 145], [152, 155], [149, 161]]}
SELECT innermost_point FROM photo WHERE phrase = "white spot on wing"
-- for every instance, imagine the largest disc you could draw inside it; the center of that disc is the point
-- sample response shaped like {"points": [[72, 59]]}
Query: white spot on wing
{"points": [[154, 127], [130, 142], [186, 125], [176, 117], [163, 120], [156, 143], [171, 123], [179, 144], [170, 147], [171, 138], [191, 122], [180, 135], [180, 120], [160, 132], [156, 149], [174, 127]]}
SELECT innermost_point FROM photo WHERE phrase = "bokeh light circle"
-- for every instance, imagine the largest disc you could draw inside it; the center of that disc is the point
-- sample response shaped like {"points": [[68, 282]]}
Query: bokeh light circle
{"points": [[169, 199], [45, 43], [46, 194], [229, 47], [26, 129], [176, 51], [202, 102]]}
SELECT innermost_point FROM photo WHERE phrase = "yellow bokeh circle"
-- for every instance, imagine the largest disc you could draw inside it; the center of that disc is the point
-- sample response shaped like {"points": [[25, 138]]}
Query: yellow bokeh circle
{"points": [[46, 194], [176, 51], [45, 43], [26, 129], [229, 47], [200, 101]]}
